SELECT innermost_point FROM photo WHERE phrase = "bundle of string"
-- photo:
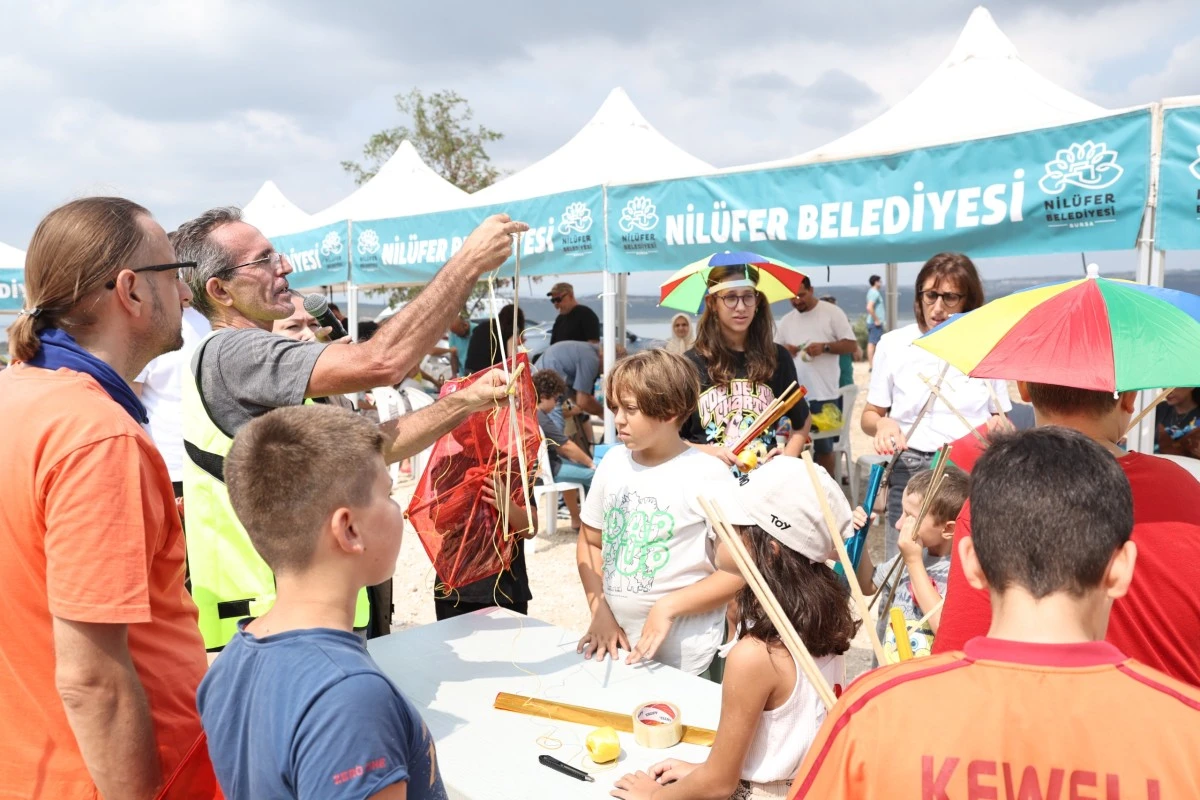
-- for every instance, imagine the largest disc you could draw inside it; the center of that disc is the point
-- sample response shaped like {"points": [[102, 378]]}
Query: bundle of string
{"points": [[467, 538]]}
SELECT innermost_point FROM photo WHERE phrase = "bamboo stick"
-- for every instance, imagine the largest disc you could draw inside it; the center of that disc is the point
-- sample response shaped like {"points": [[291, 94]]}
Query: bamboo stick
{"points": [[773, 414], [934, 485], [996, 400], [847, 564], [754, 579], [1142, 414], [879, 590], [938, 393], [919, 623]]}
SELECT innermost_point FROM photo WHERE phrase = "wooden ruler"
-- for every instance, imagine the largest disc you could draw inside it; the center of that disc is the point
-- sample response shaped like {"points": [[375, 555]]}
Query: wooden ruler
{"points": [[583, 715]]}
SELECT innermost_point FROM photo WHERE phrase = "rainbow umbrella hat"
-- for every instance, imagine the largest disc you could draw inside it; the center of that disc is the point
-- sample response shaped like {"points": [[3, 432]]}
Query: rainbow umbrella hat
{"points": [[1095, 333], [685, 290]]}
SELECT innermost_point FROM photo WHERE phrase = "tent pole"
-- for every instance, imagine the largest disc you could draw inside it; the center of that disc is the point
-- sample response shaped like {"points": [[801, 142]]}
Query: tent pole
{"points": [[892, 303], [1150, 270], [622, 306], [608, 335]]}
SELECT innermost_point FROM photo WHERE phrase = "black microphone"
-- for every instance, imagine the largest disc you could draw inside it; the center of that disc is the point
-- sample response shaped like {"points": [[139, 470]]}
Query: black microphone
{"points": [[318, 306]]}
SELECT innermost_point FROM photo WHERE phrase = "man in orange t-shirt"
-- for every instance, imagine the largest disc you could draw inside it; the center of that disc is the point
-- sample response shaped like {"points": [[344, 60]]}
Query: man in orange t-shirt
{"points": [[1041, 707], [100, 654]]}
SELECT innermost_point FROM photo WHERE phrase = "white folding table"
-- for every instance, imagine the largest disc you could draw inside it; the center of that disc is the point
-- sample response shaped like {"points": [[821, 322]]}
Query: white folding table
{"points": [[452, 671]]}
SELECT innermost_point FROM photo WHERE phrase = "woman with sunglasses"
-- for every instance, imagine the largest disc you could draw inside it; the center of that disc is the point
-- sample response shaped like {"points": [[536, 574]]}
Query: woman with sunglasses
{"points": [[741, 368], [947, 284]]}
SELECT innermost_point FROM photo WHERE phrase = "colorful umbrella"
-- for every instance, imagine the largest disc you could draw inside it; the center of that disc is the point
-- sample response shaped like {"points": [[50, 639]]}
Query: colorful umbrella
{"points": [[1093, 333], [685, 290]]}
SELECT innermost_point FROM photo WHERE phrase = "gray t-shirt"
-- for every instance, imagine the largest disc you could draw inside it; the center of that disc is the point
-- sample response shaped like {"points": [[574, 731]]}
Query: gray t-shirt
{"points": [[246, 372], [920, 639], [577, 362]]}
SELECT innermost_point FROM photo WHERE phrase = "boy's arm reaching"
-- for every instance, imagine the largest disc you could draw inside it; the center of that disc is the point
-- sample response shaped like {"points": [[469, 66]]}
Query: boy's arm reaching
{"points": [[604, 635], [707, 594]]}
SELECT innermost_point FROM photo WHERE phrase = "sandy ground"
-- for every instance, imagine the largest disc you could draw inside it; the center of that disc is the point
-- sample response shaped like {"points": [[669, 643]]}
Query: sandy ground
{"points": [[557, 595]]}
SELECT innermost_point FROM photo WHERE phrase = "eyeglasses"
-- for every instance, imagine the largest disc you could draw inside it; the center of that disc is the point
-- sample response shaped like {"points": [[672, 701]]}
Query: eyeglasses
{"points": [[179, 267], [750, 300], [556, 299], [948, 298], [273, 261]]}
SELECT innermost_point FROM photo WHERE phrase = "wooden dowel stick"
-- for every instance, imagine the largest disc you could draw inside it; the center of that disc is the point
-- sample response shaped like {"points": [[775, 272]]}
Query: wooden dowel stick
{"points": [[844, 557], [879, 589], [1142, 414], [754, 579], [919, 623], [996, 400], [938, 393]]}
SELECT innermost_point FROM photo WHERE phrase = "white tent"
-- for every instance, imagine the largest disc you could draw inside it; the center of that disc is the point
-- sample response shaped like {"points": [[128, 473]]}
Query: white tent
{"points": [[274, 214], [617, 145], [983, 88], [403, 186], [11, 257]]}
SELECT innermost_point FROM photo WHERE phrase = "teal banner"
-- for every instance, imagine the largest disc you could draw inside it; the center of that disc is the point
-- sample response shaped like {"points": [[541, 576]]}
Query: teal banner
{"points": [[566, 235], [1066, 189], [1179, 181], [319, 257], [12, 289]]}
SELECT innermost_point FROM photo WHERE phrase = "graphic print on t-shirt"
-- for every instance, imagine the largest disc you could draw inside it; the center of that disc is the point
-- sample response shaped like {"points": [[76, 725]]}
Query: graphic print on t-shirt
{"points": [[636, 541], [728, 411]]}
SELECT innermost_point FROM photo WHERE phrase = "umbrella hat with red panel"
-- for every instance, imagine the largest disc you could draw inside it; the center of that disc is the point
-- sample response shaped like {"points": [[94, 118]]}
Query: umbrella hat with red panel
{"points": [[1095, 333], [686, 289]]}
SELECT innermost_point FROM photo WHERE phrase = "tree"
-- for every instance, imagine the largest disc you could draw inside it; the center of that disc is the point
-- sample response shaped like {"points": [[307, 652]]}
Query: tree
{"points": [[441, 134], [443, 138]]}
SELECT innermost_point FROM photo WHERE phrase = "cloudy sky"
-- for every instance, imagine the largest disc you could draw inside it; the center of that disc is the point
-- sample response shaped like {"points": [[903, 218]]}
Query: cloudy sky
{"points": [[186, 105]]}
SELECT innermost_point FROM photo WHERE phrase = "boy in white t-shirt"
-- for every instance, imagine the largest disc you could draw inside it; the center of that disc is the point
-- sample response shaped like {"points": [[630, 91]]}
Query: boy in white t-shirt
{"points": [[646, 556]]}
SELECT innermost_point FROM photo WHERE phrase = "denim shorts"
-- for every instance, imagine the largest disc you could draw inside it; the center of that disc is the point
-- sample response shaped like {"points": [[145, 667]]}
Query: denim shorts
{"points": [[874, 333]]}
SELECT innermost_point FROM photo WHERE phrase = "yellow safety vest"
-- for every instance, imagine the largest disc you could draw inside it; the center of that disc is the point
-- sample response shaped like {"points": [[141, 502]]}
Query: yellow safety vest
{"points": [[229, 580]]}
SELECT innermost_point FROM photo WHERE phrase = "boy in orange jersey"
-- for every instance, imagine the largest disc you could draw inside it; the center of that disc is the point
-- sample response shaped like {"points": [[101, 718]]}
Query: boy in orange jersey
{"points": [[1042, 707]]}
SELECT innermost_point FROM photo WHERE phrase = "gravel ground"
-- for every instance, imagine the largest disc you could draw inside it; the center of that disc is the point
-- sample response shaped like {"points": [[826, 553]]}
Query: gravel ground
{"points": [[557, 595]]}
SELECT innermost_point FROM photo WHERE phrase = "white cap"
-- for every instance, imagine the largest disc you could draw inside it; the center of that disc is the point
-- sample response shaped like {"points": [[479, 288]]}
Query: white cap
{"points": [[779, 498]]}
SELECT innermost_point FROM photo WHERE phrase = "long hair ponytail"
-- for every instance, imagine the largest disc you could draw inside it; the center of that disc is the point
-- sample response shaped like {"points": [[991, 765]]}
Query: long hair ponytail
{"points": [[74, 251]]}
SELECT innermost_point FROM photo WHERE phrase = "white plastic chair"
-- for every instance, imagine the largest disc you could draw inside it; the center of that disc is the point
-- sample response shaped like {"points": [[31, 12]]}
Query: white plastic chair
{"points": [[392, 403], [841, 448], [549, 490]]}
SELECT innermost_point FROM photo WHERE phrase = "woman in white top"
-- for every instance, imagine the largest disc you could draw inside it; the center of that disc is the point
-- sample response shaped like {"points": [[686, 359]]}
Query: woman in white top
{"points": [[947, 284], [770, 712], [682, 337]]}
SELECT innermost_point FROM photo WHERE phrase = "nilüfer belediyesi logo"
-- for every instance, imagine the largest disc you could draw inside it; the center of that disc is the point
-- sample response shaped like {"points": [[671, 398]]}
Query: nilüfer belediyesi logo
{"points": [[368, 242], [639, 214], [577, 218], [331, 245], [1089, 166], [1194, 167]]}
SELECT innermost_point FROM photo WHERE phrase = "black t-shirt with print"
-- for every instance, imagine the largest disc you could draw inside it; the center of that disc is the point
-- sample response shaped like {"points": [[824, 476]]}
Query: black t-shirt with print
{"points": [[726, 412], [580, 324]]}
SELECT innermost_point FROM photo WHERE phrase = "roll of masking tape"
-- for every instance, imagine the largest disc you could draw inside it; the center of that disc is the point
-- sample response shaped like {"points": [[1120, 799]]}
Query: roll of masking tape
{"points": [[657, 725], [603, 745]]}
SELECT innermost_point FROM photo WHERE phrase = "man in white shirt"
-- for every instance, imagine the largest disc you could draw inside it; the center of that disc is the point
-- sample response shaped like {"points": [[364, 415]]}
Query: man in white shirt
{"points": [[160, 386], [816, 333]]}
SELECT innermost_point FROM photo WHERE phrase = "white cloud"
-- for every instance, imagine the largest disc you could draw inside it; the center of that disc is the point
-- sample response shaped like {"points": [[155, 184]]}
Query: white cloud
{"points": [[185, 105]]}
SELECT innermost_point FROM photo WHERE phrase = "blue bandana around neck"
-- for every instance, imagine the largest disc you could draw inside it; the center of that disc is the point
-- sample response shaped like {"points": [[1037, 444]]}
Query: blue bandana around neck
{"points": [[59, 349]]}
